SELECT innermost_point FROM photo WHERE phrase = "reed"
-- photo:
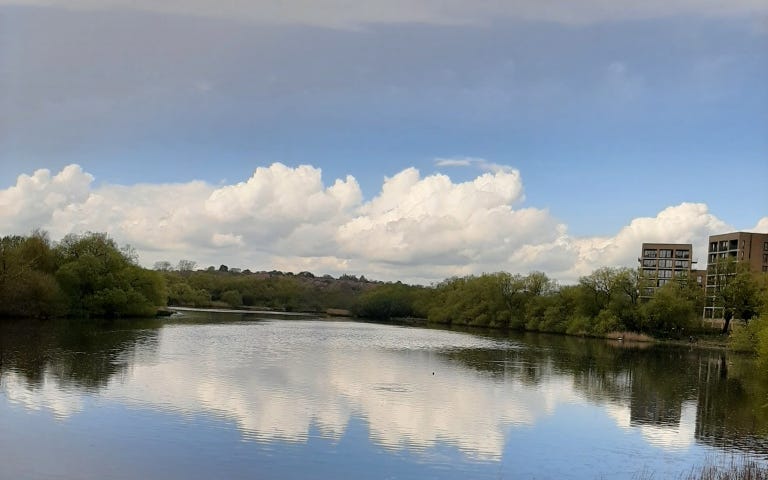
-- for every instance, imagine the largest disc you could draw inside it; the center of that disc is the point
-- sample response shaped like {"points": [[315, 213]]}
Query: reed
{"points": [[629, 337], [738, 468]]}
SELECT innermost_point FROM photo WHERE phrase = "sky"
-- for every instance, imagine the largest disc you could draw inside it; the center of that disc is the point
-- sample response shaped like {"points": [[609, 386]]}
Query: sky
{"points": [[401, 140]]}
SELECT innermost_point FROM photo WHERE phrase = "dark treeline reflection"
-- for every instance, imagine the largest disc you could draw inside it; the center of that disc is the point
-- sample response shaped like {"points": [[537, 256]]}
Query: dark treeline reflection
{"points": [[82, 354], [730, 391]]}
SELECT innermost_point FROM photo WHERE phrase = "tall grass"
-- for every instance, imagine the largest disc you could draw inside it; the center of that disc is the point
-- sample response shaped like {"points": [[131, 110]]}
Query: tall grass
{"points": [[749, 470], [737, 469], [629, 337]]}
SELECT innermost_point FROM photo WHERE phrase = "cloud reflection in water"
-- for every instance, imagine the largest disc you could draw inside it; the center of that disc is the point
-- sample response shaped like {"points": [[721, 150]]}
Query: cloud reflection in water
{"points": [[282, 381]]}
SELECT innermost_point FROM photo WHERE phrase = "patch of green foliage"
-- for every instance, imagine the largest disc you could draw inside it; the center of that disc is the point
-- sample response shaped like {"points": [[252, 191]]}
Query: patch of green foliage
{"points": [[82, 275], [224, 287]]}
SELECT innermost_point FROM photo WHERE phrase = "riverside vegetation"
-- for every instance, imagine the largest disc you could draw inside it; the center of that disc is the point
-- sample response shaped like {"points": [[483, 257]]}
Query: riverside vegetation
{"points": [[81, 276], [89, 275]]}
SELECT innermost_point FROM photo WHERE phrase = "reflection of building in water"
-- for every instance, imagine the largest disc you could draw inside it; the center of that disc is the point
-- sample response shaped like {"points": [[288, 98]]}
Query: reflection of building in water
{"points": [[599, 386], [713, 375], [650, 407], [731, 408], [658, 391]]}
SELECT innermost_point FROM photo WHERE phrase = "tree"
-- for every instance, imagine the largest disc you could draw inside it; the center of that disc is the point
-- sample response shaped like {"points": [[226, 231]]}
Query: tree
{"points": [[163, 266], [232, 297], [670, 310], [737, 293], [600, 288], [100, 279], [27, 285], [186, 265]]}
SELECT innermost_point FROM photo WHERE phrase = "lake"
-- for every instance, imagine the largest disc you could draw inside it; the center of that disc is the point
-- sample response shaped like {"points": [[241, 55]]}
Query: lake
{"points": [[242, 396]]}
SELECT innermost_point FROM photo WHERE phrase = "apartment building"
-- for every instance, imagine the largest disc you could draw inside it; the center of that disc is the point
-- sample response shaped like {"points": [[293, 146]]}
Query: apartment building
{"points": [[746, 247], [662, 262]]}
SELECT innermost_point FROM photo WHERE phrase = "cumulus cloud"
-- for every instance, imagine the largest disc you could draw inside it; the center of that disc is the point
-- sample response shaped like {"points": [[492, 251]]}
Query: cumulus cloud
{"points": [[36, 198], [433, 220], [285, 195], [417, 228], [343, 14], [684, 223]]}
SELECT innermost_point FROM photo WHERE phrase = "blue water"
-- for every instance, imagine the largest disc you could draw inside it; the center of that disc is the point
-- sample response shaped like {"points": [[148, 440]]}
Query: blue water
{"points": [[244, 397]]}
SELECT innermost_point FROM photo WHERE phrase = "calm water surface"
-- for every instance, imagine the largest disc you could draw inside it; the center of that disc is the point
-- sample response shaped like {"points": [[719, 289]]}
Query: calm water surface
{"points": [[243, 396]]}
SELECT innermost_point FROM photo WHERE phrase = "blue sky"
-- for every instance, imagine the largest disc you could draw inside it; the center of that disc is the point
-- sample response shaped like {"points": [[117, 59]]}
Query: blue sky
{"points": [[609, 112]]}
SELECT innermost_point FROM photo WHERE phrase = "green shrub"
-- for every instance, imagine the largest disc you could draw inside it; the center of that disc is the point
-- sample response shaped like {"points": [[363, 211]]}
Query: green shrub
{"points": [[578, 325]]}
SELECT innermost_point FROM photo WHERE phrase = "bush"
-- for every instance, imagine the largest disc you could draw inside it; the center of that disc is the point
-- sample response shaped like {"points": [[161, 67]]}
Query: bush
{"points": [[233, 298], [605, 322], [578, 325]]}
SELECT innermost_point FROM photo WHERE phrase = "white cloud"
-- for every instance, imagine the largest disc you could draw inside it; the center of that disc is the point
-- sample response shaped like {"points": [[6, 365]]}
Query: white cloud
{"points": [[668, 437], [227, 240], [343, 14], [417, 229], [453, 162], [36, 198], [479, 163], [684, 223], [433, 220], [279, 194], [762, 226]]}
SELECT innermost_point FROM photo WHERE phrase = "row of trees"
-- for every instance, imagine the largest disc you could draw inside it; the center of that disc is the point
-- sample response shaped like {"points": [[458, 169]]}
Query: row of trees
{"points": [[267, 290], [604, 301], [90, 275], [82, 275]]}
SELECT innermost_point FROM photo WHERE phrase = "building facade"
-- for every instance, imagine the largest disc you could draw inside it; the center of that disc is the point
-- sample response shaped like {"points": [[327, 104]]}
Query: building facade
{"points": [[742, 247], [660, 263]]}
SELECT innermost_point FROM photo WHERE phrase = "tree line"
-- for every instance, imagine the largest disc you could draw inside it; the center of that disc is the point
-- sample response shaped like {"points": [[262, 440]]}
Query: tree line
{"points": [[86, 275], [90, 275], [232, 288], [606, 300]]}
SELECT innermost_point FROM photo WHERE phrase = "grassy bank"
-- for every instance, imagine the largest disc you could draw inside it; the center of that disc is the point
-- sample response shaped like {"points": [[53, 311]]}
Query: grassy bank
{"points": [[735, 470]]}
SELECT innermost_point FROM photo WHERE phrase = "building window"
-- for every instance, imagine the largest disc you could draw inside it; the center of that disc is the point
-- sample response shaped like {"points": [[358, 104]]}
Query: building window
{"points": [[665, 253], [765, 246], [712, 258], [681, 263], [682, 254], [713, 246], [649, 272], [724, 245], [649, 253], [765, 258]]}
